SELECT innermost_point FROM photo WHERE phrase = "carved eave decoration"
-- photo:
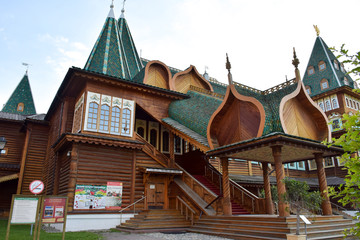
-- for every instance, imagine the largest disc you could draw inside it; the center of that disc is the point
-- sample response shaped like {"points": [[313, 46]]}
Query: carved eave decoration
{"points": [[67, 138], [157, 74], [182, 81], [301, 116], [238, 118], [131, 85]]}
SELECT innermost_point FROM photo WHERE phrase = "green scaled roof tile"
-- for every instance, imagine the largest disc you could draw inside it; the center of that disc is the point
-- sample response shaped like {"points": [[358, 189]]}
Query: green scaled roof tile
{"points": [[335, 77], [21, 94]]}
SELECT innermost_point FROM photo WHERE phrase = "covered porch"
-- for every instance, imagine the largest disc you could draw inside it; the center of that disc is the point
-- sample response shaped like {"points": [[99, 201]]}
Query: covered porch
{"points": [[276, 149]]}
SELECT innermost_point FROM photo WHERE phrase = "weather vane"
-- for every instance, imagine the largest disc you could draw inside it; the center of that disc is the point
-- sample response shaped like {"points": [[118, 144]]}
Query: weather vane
{"points": [[27, 67], [317, 30], [112, 4]]}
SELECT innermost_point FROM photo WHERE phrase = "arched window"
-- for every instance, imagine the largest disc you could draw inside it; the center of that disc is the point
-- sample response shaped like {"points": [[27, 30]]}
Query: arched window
{"points": [[321, 105], [20, 107], [93, 114], [327, 105], [125, 123], [115, 120], [308, 89], [310, 70], [104, 118], [153, 137], [336, 65], [335, 103], [346, 81], [322, 66], [165, 141], [141, 131], [324, 84]]}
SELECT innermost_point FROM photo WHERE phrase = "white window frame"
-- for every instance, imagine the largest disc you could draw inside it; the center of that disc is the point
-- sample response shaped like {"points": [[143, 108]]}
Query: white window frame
{"points": [[334, 99], [128, 104], [299, 167], [321, 105], [328, 104], [92, 97], [105, 100], [329, 166], [309, 164], [292, 165], [116, 102]]}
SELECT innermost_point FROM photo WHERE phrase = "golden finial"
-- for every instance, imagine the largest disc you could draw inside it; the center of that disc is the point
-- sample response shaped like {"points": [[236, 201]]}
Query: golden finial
{"points": [[228, 67], [295, 61], [317, 30]]}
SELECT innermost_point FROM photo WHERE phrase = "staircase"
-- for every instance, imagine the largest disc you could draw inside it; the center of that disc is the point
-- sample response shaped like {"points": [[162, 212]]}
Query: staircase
{"points": [[156, 221], [256, 227], [236, 208]]}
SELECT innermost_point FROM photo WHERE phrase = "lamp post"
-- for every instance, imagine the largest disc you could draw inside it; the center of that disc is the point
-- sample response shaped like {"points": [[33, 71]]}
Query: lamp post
{"points": [[2, 143]]}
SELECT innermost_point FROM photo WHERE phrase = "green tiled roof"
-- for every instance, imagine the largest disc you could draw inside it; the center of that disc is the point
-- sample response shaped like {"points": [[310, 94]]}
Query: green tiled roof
{"points": [[21, 94], [114, 52], [195, 112], [335, 77]]}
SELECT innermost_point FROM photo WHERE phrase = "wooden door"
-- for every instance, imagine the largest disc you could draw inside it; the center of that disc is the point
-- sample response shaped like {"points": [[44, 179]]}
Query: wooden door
{"points": [[155, 193]]}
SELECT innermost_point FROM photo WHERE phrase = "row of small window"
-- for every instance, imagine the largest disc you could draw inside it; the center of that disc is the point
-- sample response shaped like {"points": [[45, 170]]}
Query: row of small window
{"points": [[150, 131], [328, 162], [328, 103], [324, 84], [322, 67], [352, 103], [108, 114]]}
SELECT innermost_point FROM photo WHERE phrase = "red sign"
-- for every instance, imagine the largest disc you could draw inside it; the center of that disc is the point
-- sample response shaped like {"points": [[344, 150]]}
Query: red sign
{"points": [[36, 187], [54, 210]]}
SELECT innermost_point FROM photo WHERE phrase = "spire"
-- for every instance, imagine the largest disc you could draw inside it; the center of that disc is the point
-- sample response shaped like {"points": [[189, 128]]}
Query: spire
{"points": [[296, 62], [123, 10], [21, 100], [332, 69], [228, 67], [111, 12]]}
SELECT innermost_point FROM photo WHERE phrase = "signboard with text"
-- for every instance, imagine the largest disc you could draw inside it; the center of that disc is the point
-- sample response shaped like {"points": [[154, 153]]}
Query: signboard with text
{"points": [[54, 210], [24, 210]]}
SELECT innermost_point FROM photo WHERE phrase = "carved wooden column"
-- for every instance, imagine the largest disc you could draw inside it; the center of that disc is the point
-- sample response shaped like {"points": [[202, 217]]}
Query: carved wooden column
{"points": [[280, 175], [226, 187], [172, 150], [325, 204], [267, 188], [73, 175]]}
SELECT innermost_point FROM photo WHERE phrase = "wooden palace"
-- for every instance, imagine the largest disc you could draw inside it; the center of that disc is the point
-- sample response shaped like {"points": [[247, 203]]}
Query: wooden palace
{"points": [[175, 140]]}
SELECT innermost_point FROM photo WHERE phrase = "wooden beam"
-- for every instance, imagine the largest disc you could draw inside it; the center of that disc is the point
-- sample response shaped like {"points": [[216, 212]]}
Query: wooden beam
{"points": [[73, 175], [172, 150], [23, 160], [267, 189], [133, 176]]}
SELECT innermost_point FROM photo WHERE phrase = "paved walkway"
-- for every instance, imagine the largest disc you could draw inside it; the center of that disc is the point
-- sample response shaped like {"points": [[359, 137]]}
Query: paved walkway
{"points": [[158, 236]]}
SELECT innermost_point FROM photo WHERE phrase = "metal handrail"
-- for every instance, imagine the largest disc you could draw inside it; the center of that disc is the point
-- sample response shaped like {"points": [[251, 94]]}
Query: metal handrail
{"points": [[143, 197]]}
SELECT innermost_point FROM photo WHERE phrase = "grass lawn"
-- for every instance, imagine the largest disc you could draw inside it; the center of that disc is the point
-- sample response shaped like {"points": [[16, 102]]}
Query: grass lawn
{"points": [[22, 232]]}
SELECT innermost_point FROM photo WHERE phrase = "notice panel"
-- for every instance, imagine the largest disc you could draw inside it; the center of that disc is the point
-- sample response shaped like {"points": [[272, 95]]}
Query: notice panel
{"points": [[54, 210], [24, 210]]}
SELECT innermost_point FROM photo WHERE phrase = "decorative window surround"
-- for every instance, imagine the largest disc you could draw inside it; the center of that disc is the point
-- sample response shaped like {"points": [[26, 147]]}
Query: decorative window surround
{"points": [[165, 140], [329, 162], [78, 114], [140, 126], [336, 65], [322, 66], [153, 134], [20, 107], [324, 84], [111, 115], [301, 165], [312, 165], [178, 145], [310, 70]]}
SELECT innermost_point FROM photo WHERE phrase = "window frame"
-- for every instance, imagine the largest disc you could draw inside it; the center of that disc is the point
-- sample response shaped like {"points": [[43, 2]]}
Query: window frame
{"points": [[20, 105], [324, 80], [309, 70], [322, 63]]}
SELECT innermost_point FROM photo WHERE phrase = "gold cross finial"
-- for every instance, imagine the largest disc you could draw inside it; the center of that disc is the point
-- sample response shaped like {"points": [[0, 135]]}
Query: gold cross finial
{"points": [[317, 30]]}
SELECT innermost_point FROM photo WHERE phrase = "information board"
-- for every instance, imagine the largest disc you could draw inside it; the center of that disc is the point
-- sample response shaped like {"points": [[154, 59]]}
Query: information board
{"points": [[54, 210], [114, 195], [24, 210]]}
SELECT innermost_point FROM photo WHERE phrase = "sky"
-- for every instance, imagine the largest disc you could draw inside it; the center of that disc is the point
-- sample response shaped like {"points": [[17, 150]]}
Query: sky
{"points": [[259, 37]]}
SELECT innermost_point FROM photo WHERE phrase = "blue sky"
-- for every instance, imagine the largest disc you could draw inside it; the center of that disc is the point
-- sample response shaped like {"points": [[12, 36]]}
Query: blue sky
{"points": [[258, 36]]}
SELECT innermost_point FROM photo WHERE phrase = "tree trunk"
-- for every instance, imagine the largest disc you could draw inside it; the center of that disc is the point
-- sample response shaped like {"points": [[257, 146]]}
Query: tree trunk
{"points": [[297, 220]]}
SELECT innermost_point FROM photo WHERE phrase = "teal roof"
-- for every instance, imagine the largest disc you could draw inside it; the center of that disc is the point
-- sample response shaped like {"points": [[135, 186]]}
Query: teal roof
{"points": [[196, 111], [335, 77], [114, 52], [21, 94]]}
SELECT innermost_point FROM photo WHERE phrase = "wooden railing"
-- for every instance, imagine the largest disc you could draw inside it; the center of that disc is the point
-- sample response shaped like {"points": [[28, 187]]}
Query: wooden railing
{"points": [[237, 193], [200, 189], [152, 151], [180, 205]]}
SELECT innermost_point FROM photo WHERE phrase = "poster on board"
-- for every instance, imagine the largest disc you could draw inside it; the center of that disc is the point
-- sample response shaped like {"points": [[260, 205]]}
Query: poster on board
{"points": [[90, 197], [114, 195], [24, 210], [54, 210]]}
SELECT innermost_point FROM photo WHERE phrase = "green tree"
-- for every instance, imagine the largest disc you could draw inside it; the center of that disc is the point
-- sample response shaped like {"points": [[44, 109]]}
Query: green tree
{"points": [[349, 192]]}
